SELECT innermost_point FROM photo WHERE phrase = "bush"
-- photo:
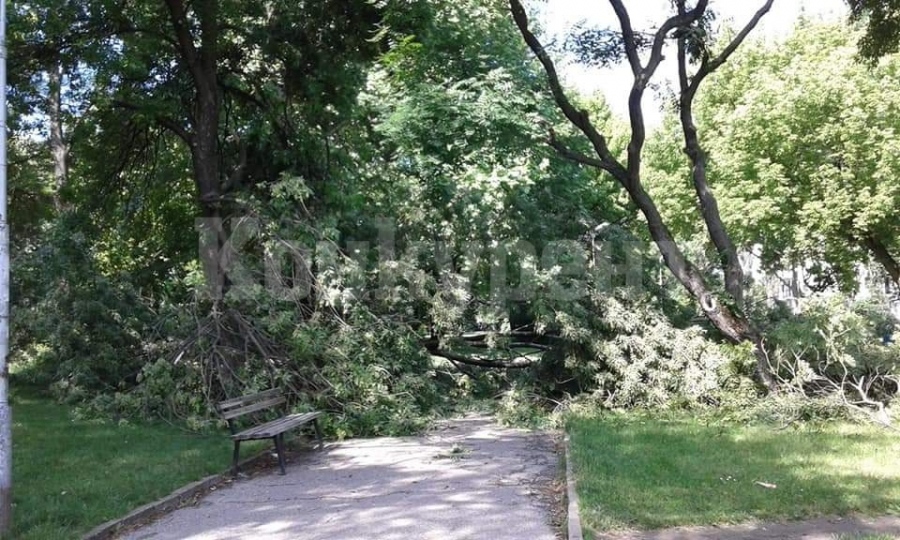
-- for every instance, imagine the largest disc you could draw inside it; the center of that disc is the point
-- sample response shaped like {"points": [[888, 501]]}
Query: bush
{"points": [[375, 379], [835, 349], [74, 328], [624, 352]]}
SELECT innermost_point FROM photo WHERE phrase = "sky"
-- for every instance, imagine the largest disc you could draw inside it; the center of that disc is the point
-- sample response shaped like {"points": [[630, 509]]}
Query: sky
{"points": [[558, 16]]}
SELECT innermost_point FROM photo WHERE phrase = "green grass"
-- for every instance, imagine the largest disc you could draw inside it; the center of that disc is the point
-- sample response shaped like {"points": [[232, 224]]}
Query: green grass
{"points": [[638, 472], [70, 476], [865, 537]]}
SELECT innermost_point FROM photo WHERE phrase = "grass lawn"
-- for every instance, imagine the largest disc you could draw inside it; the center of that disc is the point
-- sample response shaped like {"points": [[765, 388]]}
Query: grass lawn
{"points": [[639, 472], [70, 476], [865, 537]]}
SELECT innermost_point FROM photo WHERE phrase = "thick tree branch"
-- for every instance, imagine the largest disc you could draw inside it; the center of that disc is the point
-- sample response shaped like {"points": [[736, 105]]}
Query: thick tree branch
{"points": [[186, 48], [579, 118], [631, 49], [643, 77], [511, 346], [513, 363], [520, 335], [710, 66], [682, 19], [709, 207], [160, 119], [479, 339], [578, 157], [683, 80]]}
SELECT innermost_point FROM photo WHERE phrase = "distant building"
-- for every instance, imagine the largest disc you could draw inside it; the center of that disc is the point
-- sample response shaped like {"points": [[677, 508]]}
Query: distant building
{"points": [[792, 286]]}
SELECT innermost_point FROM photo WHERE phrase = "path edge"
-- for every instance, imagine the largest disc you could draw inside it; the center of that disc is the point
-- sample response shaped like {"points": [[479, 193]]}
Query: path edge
{"points": [[168, 503], [573, 514]]}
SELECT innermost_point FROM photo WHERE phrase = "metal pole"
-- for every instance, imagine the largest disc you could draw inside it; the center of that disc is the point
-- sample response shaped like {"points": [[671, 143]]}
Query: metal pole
{"points": [[5, 411]]}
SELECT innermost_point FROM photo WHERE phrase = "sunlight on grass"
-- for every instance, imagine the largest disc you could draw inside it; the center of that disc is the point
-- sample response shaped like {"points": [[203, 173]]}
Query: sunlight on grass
{"points": [[70, 476], [864, 537], [652, 473]]}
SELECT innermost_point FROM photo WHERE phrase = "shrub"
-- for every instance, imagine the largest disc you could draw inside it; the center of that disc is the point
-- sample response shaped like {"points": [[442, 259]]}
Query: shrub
{"points": [[835, 348], [75, 328]]}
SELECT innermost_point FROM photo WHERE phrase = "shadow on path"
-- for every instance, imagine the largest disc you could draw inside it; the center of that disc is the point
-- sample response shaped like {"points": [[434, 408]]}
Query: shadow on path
{"points": [[466, 479]]}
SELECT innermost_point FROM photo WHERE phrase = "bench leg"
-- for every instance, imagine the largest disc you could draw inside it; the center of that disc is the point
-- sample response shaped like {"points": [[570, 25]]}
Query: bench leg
{"points": [[235, 458], [318, 433], [279, 447]]}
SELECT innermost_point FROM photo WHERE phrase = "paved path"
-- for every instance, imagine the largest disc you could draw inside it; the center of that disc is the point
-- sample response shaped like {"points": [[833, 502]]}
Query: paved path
{"points": [[467, 479]]}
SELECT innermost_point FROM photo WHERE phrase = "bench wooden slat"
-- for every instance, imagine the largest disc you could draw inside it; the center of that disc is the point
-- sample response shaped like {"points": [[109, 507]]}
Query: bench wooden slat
{"points": [[242, 400], [275, 427], [281, 425], [259, 406]]}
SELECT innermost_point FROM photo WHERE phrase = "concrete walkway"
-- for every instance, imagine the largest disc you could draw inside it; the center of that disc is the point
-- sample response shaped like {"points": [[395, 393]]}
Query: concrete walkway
{"points": [[467, 479]]}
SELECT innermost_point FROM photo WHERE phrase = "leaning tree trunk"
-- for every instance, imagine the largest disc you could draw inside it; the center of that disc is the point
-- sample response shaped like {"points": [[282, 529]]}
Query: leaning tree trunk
{"points": [[731, 321], [884, 257], [733, 325], [728, 319]]}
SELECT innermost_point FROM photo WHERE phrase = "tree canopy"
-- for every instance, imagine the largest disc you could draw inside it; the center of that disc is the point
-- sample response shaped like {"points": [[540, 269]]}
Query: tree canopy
{"points": [[802, 146], [389, 207], [882, 23]]}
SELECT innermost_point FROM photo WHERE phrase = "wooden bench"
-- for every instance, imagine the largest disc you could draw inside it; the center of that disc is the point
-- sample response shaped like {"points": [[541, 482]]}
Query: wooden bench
{"points": [[232, 409]]}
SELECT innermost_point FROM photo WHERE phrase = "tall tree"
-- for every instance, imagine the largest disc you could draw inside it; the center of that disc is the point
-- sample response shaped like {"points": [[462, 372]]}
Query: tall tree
{"points": [[688, 28], [244, 90], [803, 152], [45, 48], [882, 22], [217, 73]]}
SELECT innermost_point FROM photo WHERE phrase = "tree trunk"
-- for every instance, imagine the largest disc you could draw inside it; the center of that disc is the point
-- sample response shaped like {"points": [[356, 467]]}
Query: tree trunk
{"points": [[883, 256], [709, 206], [728, 320], [709, 209], [734, 326], [732, 322], [58, 148], [205, 161], [202, 65], [205, 155]]}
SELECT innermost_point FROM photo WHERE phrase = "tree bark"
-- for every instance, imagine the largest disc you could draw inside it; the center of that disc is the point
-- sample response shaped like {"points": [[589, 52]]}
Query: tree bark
{"points": [[709, 206], [203, 138], [58, 148], [882, 254], [202, 64]]}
